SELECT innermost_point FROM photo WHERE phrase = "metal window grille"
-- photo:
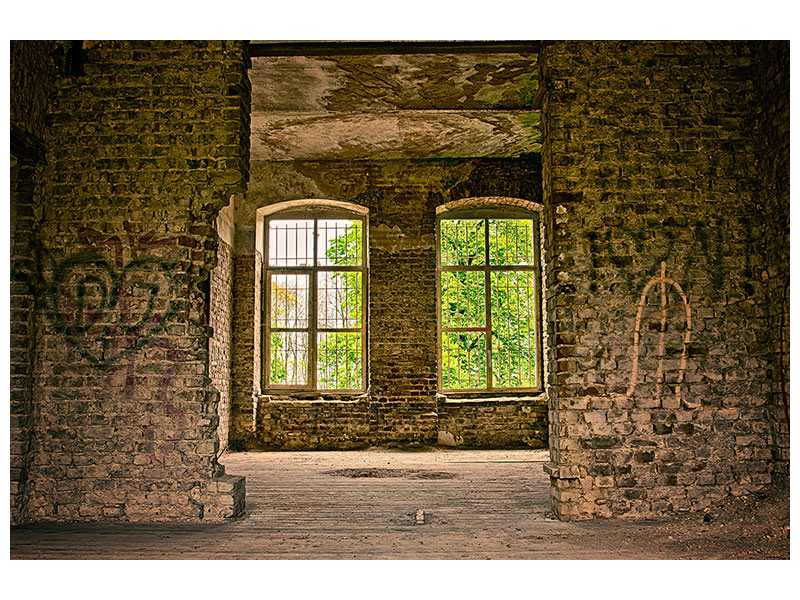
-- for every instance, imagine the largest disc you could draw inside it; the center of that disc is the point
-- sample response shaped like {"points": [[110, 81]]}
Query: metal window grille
{"points": [[314, 326], [488, 288]]}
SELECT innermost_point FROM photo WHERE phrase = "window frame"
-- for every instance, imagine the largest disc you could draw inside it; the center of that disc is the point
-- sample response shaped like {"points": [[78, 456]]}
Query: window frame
{"points": [[487, 213], [311, 386]]}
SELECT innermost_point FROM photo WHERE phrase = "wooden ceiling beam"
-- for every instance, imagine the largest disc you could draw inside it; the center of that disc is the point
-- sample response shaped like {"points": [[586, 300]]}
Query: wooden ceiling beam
{"points": [[334, 48]]}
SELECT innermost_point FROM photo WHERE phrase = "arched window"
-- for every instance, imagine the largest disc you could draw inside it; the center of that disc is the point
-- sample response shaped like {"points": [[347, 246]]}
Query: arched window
{"points": [[314, 295], [489, 282]]}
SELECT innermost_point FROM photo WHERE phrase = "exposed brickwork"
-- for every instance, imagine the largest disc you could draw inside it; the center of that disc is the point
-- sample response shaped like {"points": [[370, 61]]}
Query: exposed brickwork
{"points": [[650, 188], [402, 406], [311, 425], [142, 151], [136, 324], [32, 77], [219, 346], [513, 423], [489, 202], [22, 332], [246, 359], [772, 161]]}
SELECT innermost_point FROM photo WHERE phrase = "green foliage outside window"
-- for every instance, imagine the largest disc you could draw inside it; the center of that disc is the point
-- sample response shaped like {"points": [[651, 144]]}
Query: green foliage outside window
{"points": [[512, 303], [339, 353], [339, 307], [505, 261]]}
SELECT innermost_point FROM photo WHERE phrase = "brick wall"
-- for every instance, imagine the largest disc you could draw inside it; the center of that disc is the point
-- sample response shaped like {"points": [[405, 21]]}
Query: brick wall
{"points": [[143, 150], [512, 423], [651, 189], [402, 406], [246, 350], [32, 76], [311, 425], [32, 71], [772, 161], [22, 332], [667, 326], [219, 317]]}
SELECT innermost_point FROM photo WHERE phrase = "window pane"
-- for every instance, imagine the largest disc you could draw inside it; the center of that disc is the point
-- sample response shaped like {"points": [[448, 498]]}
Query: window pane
{"points": [[338, 299], [463, 360], [291, 243], [339, 242], [288, 358], [289, 304], [339, 361], [513, 328], [463, 299], [511, 242], [462, 242]]}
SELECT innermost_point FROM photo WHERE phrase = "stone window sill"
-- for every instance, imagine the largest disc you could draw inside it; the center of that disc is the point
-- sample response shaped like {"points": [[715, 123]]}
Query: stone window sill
{"points": [[503, 399], [313, 398]]}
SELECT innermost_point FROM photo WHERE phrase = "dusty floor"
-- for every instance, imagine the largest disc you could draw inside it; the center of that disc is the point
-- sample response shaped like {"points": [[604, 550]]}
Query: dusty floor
{"points": [[433, 504]]}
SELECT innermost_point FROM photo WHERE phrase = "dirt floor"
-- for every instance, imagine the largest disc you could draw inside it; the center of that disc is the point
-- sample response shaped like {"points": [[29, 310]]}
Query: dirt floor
{"points": [[434, 504], [749, 527]]}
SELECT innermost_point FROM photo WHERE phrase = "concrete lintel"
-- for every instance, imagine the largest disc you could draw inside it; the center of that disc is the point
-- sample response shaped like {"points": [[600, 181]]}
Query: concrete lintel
{"points": [[339, 83], [394, 135]]}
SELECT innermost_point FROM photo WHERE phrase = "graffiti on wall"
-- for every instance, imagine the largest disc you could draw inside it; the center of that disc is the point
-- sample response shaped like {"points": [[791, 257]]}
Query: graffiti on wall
{"points": [[113, 302], [112, 297], [663, 282]]}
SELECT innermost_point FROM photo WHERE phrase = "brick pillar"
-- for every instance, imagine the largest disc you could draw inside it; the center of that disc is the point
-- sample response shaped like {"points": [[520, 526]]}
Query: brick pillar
{"points": [[658, 398], [143, 150], [32, 75], [773, 164]]}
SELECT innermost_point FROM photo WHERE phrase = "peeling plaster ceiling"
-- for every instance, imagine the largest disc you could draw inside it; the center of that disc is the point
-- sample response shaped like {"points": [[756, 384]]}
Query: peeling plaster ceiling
{"points": [[350, 107]]}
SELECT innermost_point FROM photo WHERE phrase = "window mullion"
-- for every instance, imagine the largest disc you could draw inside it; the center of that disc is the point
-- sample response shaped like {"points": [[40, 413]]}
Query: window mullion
{"points": [[266, 321], [312, 315], [537, 276], [364, 301], [439, 301], [488, 300]]}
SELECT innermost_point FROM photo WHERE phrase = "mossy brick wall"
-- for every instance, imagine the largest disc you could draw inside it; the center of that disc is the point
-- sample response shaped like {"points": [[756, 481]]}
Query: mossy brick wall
{"points": [[650, 191], [772, 111], [402, 405], [143, 150], [219, 348]]}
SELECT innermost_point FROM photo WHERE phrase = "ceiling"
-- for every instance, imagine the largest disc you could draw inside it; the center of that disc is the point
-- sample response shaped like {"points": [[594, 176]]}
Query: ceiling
{"points": [[349, 102]]}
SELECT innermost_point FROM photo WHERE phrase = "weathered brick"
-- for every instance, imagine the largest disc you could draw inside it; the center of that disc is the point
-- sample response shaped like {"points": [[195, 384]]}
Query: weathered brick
{"points": [[665, 198], [114, 211], [137, 321]]}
